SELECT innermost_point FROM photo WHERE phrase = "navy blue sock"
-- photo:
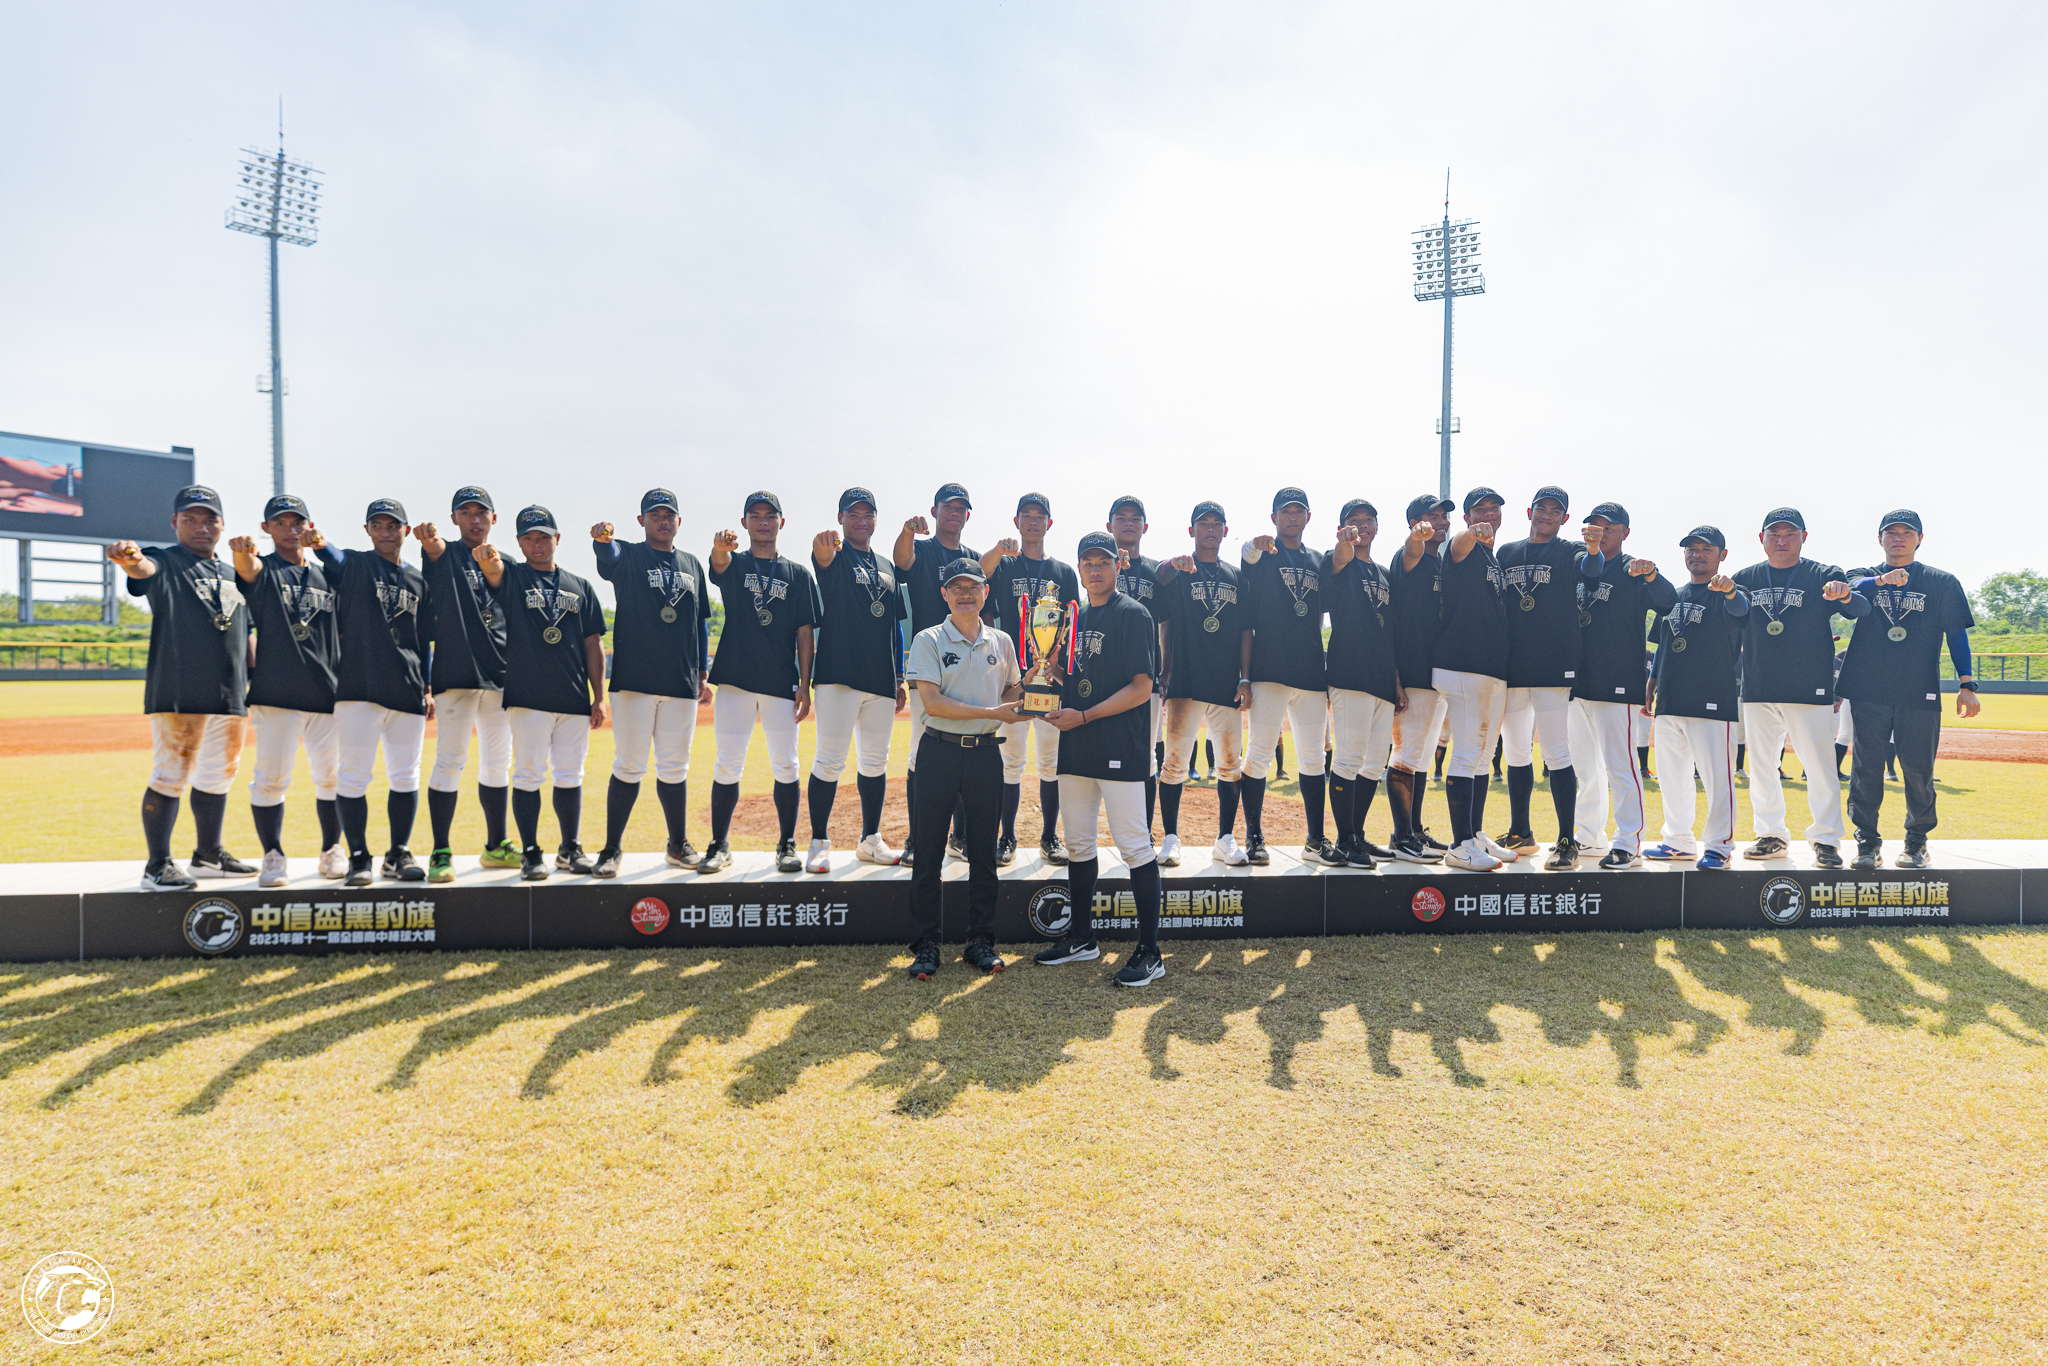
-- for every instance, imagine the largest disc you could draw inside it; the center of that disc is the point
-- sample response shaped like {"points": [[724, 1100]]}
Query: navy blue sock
{"points": [[492, 800], [269, 826], [786, 796], [675, 808], [1145, 889], [526, 813], [330, 822], [1521, 787], [874, 795], [724, 797], [159, 815], [1081, 886], [820, 796], [619, 797], [568, 802], [401, 809], [441, 815], [355, 824], [209, 813]]}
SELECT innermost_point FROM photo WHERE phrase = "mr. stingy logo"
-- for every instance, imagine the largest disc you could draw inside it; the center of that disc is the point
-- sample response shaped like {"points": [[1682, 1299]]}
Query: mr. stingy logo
{"points": [[1782, 900], [213, 926], [66, 1297], [1051, 910]]}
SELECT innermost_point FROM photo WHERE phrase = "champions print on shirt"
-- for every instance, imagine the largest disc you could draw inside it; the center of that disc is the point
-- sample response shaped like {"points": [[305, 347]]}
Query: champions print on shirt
{"points": [[1377, 594], [1211, 596], [767, 590], [1087, 646], [221, 596], [1896, 604], [302, 604], [396, 600], [1525, 579], [1775, 601], [553, 604], [1299, 581], [1135, 586], [672, 584]]}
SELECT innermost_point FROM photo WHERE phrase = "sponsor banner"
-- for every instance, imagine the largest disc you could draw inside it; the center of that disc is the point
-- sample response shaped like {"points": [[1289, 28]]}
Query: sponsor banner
{"points": [[39, 929], [731, 913], [389, 918], [1926, 898], [1190, 908], [1502, 903]]}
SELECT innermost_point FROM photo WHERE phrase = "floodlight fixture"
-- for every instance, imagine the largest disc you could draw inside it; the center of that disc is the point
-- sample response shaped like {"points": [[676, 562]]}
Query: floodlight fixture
{"points": [[278, 199], [1446, 266]]}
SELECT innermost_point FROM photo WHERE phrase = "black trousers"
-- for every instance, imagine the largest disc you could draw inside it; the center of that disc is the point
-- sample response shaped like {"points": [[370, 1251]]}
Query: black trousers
{"points": [[972, 778], [1917, 733]]}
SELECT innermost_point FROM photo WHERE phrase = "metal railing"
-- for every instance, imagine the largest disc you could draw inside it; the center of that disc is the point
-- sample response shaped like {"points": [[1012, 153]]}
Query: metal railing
{"points": [[53, 656], [2001, 668]]}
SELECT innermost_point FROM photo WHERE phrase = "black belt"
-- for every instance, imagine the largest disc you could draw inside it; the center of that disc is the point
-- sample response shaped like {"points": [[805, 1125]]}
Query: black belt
{"points": [[947, 737]]}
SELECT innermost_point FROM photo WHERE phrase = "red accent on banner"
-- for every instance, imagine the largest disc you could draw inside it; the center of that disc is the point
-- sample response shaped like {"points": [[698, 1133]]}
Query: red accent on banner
{"points": [[650, 915], [1428, 904]]}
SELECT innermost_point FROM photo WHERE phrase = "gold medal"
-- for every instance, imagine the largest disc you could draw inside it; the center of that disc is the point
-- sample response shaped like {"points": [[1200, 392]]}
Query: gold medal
{"points": [[301, 631], [876, 609], [1211, 625], [668, 613], [1086, 687], [1528, 603], [1585, 617], [1301, 609], [1776, 628], [223, 620], [1896, 633], [1678, 645], [553, 635], [764, 616]]}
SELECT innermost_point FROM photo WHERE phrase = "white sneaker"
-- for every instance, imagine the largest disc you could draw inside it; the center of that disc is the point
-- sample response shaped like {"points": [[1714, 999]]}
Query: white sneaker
{"points": [[273, 874], [1500, 853], [819, 859], [334, 862], [1227, 852], [1472, 856], [873, 850], [1169, 852]]}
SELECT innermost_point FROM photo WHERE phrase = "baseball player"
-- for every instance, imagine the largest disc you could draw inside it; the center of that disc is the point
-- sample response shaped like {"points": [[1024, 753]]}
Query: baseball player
{"points": [[1788, 683], [1417, 618], [1699, 644], [1893, 675], [1469, 666], [1363, 674], [1201, 655], [195, 693], [762, 672], [1138, 580], [923, 550], [380, 690], [291, 684], [1105, 752], [858, 677], [1608, 721], [660, 638], [554, 684], [1280, 660], [1542, 574], [468, 677], [1017, 568]]}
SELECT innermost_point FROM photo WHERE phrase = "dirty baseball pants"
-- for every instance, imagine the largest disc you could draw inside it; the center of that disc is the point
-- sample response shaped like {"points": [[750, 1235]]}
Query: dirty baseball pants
{"points": [[203, 750]]}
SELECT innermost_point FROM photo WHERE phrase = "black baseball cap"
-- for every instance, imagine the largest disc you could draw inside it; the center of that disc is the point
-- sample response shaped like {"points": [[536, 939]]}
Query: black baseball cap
{"points": [[1710, 534], [534, 517], [285, 502], [386, 507], [196, 496], [1480, 495], [1776, 515], [1096, 540], [1127, 501], [1028, 499], [1290, 495], [1208, 509], [659, 498], [1898, 517], [761, 496], [1564, 500], [963, 568], [1615, 513], [948, 492], [1356, 505], [472, 493], [857, 494], [1423, 504]]}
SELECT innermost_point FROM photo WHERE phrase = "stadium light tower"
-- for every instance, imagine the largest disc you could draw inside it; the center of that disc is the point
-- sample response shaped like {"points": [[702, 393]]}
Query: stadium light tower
{"points": [[1447, 268], [280, 200]]}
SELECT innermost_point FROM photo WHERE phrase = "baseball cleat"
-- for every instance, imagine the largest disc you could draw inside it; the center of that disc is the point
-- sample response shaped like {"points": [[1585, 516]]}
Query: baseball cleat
{"points": [[786, 860], [1068, 950], [503, 854], [1006, 851], [717, 857], [570, 858], [1666, 853], [401, 866], [1226, 852], [1053, 851], [875, 849], [1770, 846], [1169, 852], [1564, 856], [1621, 858], [274, 873], [1142, 969], [533, 864], [1255, 851], [219, 864], [441, 866], [360, 871], [1826, 856], [334, 862], [166, 877], [1320, 850], [1412, 850], [818, 859], [682, 854], [1472, 857], [607, 864], [981, 953], [1712, 861], [1914, 855]]}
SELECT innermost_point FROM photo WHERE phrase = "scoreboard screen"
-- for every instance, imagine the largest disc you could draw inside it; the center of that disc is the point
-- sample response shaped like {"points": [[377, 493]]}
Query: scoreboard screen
{"points": [[72, 490]]}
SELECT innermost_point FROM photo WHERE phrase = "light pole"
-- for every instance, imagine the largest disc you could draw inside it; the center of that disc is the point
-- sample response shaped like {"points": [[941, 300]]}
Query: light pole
{"points": [[1447, 267], [280, 200]]}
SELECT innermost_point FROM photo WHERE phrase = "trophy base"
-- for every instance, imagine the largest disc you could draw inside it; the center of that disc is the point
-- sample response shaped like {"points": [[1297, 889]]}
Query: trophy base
{"points": [[1039, 701]]}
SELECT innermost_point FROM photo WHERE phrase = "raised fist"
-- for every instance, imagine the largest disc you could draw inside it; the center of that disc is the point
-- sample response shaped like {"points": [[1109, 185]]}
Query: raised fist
{"points": [[1347, 535], [1894, 578], [1008, 545], [1642, 569], [1721, 584], [125, 552], [1484, 531], [423, 532], [1835, 591], [1263, 544], [242, 545], [825, 543], [1123, 559], [728, 541], [601, 533], [312, 538], [1591, 535], [1184, 563], [1420, 531], [486, 553], [917, 526]]}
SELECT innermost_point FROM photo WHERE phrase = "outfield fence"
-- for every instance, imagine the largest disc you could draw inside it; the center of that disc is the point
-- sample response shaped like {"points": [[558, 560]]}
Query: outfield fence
{"points": [[54, 659]]}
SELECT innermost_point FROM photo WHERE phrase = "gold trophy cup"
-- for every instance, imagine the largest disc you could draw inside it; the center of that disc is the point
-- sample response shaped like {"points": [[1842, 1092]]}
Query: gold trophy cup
{"points": [[1045, 622]]}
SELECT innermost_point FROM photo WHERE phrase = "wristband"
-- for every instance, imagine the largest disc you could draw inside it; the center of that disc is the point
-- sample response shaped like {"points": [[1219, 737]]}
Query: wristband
{"points": [[1971, 686]]}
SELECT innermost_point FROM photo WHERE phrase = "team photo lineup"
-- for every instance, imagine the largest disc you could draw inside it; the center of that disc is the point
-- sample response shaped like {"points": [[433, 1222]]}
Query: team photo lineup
{"points": [[1107, 671]]}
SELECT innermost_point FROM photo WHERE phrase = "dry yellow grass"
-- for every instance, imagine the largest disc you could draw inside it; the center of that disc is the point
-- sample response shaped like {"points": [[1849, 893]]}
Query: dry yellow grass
{"points": [[1787, 1147]]}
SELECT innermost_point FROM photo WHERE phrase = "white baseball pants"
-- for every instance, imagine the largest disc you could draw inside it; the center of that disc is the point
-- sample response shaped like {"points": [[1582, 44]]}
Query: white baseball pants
{"points": [[640, 719], [1541, 715], [548, 740], [1184, 716], [1604, 735], [458, 712], [1688, 745], [197, 748], [279, 733], [1308, 713], [733, 713], [1124, 805], [1810, 729], [361, 727], [1362, 727], [849, 716], [1157, 704], [1845, 731], [1473, 705], [1416, 730], [1045, 740]]}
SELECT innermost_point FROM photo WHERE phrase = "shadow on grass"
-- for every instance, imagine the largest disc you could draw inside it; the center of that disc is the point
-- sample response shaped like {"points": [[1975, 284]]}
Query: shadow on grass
{"points": [[928, 1042]]}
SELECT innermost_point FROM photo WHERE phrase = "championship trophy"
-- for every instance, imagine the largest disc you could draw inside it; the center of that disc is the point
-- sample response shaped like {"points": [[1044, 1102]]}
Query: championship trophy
{"points": [[1045, 622]]}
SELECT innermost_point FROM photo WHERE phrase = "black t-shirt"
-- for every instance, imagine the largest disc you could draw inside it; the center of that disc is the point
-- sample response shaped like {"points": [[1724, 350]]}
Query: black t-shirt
{"points": [[463, 619], [651, 654], [755, 655], [1473, 638], [1543, 638], [1283, 606], [1017, 577], [197, 663], [1205, 631], [542, 674], [1116, 642], [857, 640], [1417, 614], [928, 559], [1798, 663], [1140, 582], [1907, 672], [1700, 677], [1360, 599], [383, 638], [291, 672], [1611, 644]]}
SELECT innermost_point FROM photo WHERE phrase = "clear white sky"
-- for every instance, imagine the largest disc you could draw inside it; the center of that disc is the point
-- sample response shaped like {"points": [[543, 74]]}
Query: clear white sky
{"points": [[1736, 256]]}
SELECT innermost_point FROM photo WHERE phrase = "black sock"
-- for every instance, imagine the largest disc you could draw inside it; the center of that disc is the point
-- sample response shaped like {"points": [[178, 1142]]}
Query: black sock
{"points": [[1741, 752], [1564, 800], [1500, 749], [1440, 752], [209, 813], [1340, 806], [492, 800], [1169, 808], [159, 814], [401, 809], [1013, 796], [1145, 890], [526, 814], [820, 794], [724, 797], [675, 808], [1841, 753], [619, 796], [1209, 757], [1227, 795], [269, 826], [1049, 808], [330, 822], [355, 824], [1363, 790], [1251, 794], [1458, 791], [1312, 803], [1081, 886], [786, 795], [568, 803], [1521, 787], [1643, 760], [1400, 801], [1418, 788], [1479, 790], [874, 795], [441, 815], [1151, 803]]}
